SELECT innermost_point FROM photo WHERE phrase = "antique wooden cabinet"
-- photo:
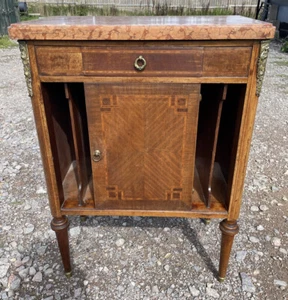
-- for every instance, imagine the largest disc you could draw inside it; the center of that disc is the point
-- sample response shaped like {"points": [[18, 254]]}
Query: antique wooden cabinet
{"points": [[147, 116]]}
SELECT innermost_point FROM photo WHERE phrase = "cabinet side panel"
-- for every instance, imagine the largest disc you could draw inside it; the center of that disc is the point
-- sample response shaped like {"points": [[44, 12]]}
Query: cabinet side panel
{"points": [[245, 134], [43, 136]]}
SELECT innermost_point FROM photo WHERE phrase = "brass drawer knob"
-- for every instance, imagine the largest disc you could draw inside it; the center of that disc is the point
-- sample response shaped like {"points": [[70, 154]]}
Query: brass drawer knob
{"points": [[140, 63], [97, 155]]}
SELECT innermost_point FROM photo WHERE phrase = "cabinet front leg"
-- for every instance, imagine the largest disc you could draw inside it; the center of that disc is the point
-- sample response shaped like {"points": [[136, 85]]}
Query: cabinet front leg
{"points": [[229, 229], [60, 226]]}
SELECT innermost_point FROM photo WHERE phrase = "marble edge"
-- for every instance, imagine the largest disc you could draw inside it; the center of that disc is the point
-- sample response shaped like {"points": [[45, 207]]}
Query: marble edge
{"points": [[260, 31]]}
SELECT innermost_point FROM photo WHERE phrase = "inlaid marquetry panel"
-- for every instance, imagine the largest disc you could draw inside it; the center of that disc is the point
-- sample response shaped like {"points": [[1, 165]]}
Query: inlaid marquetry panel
{"points": [[146, 134]]}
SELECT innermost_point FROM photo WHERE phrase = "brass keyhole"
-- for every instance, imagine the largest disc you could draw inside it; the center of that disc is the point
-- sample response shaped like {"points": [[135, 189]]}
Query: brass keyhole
{"points": [[97, 155]]}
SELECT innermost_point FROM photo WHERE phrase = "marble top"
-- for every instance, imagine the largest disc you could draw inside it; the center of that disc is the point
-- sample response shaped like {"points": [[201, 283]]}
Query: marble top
{"points": [[142, 28]]}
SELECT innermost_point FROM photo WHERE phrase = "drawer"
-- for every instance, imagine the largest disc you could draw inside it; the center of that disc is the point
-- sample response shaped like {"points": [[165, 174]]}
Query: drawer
{"points": [[169, 61], [226, 61], [53, 60], [160, 61]]}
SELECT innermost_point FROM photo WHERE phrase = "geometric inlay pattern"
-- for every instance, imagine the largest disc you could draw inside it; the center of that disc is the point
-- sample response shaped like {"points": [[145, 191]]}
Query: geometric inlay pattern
{"points": [[174, 194], [147, 136], [180, 103], [146, 153]]}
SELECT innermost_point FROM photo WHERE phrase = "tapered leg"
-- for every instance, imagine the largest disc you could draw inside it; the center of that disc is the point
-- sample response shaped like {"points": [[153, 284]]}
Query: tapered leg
{"points": [[229, 229], [60, 226]]}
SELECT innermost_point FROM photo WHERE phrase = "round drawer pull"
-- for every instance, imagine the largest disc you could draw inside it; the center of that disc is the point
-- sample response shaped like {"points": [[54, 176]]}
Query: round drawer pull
{"points": [[97, 155], [140, 63]]}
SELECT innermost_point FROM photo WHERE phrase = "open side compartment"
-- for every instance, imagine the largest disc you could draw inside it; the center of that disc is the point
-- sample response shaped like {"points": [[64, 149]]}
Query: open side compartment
{"points": [[218, 132], [228, 139], [67, 125]]}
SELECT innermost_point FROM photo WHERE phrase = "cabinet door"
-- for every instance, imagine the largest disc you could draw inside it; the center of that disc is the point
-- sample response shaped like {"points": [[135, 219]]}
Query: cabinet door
{"points": [[145, 136]]}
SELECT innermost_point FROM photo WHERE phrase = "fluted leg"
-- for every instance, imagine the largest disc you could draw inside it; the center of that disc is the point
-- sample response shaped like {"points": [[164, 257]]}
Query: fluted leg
{"points": [[60, 226], [229, 229]]}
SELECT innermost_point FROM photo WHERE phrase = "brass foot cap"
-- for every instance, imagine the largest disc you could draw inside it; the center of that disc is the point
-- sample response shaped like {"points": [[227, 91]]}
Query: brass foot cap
{"points": [[221, 279], [206, 221], [83, 218], [68, 274]]}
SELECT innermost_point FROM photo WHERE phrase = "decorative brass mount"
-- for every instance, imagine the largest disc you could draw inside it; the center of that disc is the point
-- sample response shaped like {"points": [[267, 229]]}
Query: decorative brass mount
{"points": [[264, 50], [26, 64]]}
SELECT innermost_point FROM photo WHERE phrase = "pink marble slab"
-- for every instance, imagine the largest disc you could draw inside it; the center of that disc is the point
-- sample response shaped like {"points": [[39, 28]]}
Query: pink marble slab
{"points": [[142, 28]]}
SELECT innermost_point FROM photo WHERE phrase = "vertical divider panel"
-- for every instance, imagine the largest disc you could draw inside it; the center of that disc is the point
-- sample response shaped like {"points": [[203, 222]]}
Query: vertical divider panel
{"points": [[59, 130], [80, 142], [208, 128]]}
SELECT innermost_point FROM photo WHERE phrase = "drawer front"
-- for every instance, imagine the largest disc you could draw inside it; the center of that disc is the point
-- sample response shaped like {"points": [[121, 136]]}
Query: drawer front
{"points": [[226, 61], [53, 60], [208, 61], [159, 61]]}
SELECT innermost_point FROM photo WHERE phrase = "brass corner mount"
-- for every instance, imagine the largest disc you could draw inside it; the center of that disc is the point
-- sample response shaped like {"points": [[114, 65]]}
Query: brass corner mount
{"points": [[261, 66], [26, 64]]}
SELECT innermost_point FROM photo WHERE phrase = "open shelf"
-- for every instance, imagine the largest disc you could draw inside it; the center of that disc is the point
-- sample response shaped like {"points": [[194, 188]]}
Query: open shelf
{"points": [[67, 126], [217, 135], [217, 138], [217, 208]]}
